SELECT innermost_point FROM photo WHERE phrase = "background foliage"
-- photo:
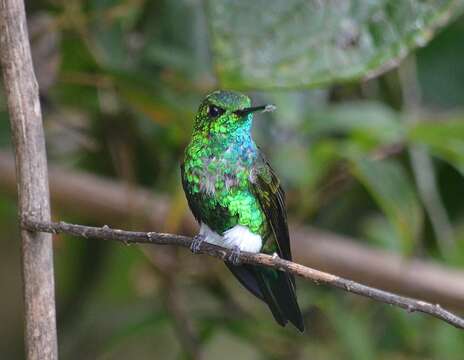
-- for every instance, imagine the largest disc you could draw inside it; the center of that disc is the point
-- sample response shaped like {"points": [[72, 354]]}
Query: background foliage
{"points": [[120, 82]]}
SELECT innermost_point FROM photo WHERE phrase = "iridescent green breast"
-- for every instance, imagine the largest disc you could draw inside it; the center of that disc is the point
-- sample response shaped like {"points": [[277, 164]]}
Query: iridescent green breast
{"points": [[216, 178]]}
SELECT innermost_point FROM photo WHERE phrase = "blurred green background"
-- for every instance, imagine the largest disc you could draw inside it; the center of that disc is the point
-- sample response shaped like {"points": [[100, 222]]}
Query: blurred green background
{"points": [[368, 139]]}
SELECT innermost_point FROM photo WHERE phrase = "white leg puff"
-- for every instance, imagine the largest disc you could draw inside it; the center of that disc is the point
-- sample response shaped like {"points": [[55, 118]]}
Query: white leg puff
{"points": [[239, 236]]}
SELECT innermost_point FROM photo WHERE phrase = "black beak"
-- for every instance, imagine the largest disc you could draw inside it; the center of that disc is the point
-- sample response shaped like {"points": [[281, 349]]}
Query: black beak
{"points": [[249, 110]]}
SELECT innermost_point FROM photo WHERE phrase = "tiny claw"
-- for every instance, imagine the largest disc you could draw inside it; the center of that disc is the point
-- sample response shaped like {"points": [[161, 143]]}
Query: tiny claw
{"points": [[234, 256], [196, 243]]}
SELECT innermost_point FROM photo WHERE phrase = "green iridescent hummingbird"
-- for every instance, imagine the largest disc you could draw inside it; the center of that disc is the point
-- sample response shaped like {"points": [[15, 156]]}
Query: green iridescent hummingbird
{"points": [[237, 199]]}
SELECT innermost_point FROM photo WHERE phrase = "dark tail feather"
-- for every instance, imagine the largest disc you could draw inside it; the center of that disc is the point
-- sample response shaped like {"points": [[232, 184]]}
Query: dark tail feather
{"points": [[275, 288], [246, 276], [284, 291]]}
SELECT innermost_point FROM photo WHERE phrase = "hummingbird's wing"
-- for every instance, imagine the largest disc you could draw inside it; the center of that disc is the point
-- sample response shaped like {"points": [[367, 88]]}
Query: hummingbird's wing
{"points": [[277, 287], [266, 187]]}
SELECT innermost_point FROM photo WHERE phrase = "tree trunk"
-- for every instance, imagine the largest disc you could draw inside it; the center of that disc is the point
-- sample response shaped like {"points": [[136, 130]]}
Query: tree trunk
{"points": [[32, 180]]}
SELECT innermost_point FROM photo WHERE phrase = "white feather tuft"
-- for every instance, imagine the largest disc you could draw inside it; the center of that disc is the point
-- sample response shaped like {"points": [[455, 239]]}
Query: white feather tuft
{"points": [[211, 236], [239, 236]]}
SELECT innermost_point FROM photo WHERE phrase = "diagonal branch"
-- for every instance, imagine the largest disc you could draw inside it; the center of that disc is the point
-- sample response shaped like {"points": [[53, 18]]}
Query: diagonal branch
{"points": [[109, 201], [132, 237]]}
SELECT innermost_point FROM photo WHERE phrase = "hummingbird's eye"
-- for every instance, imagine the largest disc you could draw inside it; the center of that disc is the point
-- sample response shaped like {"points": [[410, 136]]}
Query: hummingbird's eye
{"points": [[215, 111]]}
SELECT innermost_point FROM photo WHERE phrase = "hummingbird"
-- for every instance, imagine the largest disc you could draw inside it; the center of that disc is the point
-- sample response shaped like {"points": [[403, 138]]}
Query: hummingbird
{"points": [[238, 200]]}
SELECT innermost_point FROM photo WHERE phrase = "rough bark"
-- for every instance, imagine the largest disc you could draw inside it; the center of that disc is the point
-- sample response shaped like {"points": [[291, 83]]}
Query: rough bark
{"points": [[32, 180]]}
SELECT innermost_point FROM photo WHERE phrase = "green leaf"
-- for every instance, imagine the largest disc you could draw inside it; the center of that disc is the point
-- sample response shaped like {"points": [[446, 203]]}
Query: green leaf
{"points": [[444, 138], [441, 83], [360, 119], [296, 43], [393, 191]]}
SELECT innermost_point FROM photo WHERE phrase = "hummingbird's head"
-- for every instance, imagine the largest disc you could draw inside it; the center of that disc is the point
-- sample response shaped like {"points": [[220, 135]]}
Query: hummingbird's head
{"points": [[224, 112]]}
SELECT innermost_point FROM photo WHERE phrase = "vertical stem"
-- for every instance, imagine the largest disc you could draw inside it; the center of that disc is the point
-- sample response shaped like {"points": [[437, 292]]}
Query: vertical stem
{"points": [[422, 165], [32, 180]]}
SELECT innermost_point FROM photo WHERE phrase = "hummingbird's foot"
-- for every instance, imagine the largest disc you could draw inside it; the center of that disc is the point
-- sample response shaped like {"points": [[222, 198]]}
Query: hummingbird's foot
{"points": [[234, 256], [196, 243]]}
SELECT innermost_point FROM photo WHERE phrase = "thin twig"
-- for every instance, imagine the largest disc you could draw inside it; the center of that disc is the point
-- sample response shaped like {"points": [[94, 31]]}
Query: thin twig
{"points": [[132, 237], [105, 200]]}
